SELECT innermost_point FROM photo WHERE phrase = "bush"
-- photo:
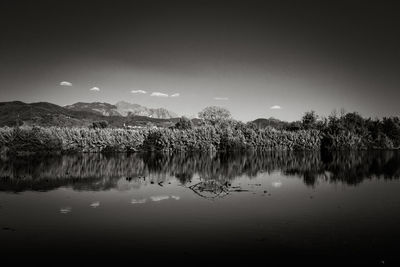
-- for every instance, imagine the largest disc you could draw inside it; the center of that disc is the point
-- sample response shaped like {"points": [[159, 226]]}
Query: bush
{"points": [[183, 124], [309, 120], [99, 125], [348, 132]]}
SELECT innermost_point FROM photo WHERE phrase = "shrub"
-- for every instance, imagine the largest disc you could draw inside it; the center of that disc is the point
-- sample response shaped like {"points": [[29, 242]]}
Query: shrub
{"points": [[183, 124], [99, 125]]}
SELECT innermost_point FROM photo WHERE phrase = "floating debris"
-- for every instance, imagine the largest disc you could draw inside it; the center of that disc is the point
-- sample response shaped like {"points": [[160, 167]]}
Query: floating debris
{"points": [[239, 190], [212, 189]]}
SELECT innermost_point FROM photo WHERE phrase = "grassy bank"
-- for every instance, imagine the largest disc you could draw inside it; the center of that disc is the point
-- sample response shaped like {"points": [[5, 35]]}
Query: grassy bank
{"points": [[204, 138], [225, 136], [214, 130]]}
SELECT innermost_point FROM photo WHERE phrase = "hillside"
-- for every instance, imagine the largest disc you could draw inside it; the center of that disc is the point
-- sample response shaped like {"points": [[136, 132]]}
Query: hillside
{"points": [[104, 109], [122, 108], [128, 109], [48, 114]]}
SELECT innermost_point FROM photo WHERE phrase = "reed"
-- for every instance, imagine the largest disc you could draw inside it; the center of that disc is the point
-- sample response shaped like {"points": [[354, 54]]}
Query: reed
{"points": [[204, 138]]}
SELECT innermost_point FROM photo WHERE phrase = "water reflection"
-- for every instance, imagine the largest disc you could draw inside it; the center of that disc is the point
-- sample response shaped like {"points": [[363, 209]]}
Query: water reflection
{"points": [[97, 172]]}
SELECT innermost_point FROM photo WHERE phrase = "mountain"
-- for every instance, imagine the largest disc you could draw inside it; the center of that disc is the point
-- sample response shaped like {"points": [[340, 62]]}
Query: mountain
{"points": [[104, 109], [77, 115], [122, 108], [125, 109], [42, 113]]}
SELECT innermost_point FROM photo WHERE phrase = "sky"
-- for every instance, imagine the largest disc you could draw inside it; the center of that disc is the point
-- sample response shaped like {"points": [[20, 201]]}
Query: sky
{"points": [[258, 59]]}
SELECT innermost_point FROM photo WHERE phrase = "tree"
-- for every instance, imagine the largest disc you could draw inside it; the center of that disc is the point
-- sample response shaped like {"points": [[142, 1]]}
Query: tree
{"points": [[354, 123], [391, 128], [309, 120], [99, 124], [294, 126], [184, 124], [215, 114], [334, 123]]}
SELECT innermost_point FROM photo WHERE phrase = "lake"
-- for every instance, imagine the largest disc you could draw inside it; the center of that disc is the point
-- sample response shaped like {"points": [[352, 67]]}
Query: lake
{"points": [[273, 207]]}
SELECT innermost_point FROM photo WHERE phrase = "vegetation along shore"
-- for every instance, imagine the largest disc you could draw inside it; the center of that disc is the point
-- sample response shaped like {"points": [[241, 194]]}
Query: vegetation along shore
{"points": [[215, 130]]}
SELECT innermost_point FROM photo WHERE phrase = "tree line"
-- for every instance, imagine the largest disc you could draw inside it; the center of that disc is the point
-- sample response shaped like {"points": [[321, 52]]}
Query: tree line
{"points": [[347, 130], [215, 130]]}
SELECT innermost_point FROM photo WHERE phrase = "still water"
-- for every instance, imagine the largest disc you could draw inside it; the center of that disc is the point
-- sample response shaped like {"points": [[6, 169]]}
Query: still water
{"points": [[236, 207]]}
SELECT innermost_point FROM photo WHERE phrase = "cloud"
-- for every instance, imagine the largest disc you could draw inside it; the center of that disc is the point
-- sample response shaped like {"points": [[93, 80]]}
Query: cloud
{"points": [[138, 92], [158, 94], [221, 98], [65, 83], [175, 95], [275, 107], [95, 89], [176, 197]]}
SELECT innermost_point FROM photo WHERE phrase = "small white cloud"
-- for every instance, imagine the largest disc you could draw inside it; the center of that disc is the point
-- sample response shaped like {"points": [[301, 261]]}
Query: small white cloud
{"points": [[95, 204], [65, 83], [138, 92], [159, 198], [221, 98], [138, 201], [176, 197], [158, 94], [276, 107], [95, 89], [175, 95]]}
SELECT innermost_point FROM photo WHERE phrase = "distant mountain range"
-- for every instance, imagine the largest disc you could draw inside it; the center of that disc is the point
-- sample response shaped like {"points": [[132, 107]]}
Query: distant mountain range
{"points": [[82, 114], [124, 109]]}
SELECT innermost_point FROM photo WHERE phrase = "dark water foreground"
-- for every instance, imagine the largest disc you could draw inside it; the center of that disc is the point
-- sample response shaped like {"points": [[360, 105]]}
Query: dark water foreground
{"points": [[201, 208]]}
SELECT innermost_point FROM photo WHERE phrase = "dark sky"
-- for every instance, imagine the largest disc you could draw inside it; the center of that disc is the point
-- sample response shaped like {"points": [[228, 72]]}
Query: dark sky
{"points": [[247, 56]]}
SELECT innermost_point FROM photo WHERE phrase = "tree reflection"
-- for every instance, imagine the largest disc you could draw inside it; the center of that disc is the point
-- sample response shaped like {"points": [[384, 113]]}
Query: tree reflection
{"points": [[103, 172]]}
